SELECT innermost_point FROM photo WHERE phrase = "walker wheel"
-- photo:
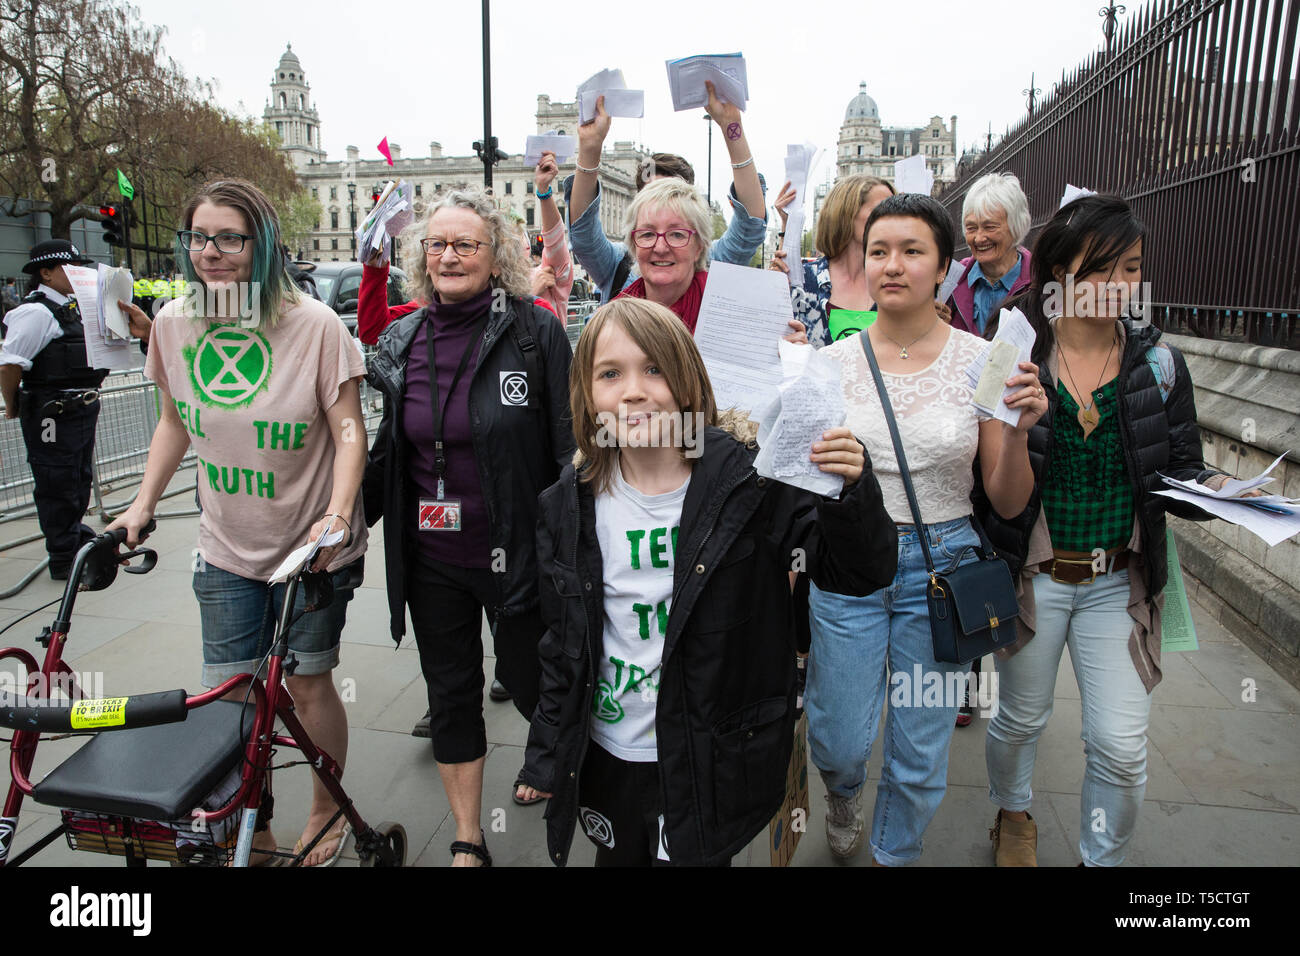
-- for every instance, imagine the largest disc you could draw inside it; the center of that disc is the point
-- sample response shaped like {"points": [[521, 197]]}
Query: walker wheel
{"points": [[391, 850]]}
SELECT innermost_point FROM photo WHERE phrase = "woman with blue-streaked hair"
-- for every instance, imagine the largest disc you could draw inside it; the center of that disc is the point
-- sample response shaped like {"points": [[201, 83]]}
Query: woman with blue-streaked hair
{"points": [[263, 382]]}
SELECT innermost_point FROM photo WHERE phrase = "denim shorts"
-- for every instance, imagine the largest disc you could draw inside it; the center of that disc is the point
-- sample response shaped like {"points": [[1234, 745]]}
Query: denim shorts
{"points": [[239, 623]]}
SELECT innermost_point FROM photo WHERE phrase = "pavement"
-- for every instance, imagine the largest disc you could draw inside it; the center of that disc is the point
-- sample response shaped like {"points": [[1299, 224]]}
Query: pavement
{"points": [[1224, 750]]}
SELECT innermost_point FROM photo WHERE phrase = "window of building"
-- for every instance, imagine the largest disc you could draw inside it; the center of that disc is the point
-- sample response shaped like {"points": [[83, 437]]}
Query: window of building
{"points": [[279, 130], [859, 150], [315, 243], [334, 220], [315, 193], [419, 189], [509, 187], [334, 243], [891, 150], [528, 216], [334, 192], [317, 225], [283, 101]]}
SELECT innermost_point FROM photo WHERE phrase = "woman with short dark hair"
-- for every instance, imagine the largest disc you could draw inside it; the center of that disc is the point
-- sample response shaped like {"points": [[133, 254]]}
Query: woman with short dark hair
{"points": [[857, 643]]}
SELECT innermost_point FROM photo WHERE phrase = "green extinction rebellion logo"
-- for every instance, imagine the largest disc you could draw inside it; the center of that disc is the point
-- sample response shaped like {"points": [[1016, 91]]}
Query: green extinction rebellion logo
{"points": [[229, 365], [603, 704]]}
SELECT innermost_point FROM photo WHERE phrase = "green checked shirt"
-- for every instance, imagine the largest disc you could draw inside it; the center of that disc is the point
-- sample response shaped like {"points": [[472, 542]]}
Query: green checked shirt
{"points": [[1087, 495]]}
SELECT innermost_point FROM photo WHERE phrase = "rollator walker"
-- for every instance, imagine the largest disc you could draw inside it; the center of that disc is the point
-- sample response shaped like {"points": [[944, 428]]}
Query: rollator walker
{"points": [[166, 776]]}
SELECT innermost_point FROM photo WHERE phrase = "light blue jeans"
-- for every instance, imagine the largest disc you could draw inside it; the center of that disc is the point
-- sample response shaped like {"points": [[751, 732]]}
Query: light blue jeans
{"points": [[1093, 620], [864, 649]]}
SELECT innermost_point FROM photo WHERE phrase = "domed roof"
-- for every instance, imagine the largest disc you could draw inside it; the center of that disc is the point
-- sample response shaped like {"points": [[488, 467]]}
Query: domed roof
{"points": [[861, 106], [290, 59]]}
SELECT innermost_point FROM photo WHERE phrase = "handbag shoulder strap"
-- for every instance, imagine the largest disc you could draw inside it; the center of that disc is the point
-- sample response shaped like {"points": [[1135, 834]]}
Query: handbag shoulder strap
{"points": [[888, 410]]}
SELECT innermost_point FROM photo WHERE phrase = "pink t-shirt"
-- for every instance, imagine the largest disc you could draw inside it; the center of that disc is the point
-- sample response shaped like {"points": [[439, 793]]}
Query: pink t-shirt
{"points": [[253, 401]]}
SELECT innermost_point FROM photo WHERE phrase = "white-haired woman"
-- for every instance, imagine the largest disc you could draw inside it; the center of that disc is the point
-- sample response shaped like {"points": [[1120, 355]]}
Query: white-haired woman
{"points": [[475, 427], [995, 217], [667, 227]]}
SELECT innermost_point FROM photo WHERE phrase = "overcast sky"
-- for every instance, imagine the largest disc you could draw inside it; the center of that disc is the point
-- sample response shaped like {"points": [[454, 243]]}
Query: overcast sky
{"points": [[412, 71]]}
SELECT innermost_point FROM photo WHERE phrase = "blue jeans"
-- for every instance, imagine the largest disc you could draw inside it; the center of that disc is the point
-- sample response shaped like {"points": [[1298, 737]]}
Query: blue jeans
{"points": [[1093, 620], [859, 647], [238, 625]]}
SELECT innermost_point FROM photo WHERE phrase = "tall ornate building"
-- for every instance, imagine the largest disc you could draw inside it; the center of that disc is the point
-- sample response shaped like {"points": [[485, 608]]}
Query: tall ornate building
{"points": [[344, 187], [866, 147]]}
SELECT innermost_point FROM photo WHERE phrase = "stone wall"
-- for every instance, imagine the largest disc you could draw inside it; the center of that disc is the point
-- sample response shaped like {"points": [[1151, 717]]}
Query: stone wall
{"points": [[1248, 406]]}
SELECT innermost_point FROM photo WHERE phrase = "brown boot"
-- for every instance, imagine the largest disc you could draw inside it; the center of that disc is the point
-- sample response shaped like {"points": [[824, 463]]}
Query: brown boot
{"points": [[1015, 842]]}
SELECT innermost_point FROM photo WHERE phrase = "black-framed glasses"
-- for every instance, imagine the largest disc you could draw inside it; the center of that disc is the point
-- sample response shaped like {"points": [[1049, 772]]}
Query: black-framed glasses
{"points": [[227, 243], [676, 238], [462, 247]]}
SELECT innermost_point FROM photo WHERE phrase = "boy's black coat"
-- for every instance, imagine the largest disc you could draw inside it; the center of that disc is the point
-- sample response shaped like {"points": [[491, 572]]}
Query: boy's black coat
{"points": [[725, 713]]}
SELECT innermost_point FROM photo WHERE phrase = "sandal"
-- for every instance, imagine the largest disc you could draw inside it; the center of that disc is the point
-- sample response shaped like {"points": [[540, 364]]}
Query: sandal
{"points": [[479, 849], [514, 794], [340, 834]]}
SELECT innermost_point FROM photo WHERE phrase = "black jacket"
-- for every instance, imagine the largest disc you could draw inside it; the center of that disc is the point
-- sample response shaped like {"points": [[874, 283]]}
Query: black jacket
{"points": [[520, 450], [724, 718], [1158, 436]]}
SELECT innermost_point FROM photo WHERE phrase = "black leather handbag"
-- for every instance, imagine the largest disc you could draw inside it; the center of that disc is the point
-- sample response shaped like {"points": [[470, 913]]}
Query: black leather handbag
{"points": [[973, 608]]}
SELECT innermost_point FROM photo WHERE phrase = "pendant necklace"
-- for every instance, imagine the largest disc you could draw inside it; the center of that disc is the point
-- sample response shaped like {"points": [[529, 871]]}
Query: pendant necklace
{"points": [[903, 348], [1089, 417]]}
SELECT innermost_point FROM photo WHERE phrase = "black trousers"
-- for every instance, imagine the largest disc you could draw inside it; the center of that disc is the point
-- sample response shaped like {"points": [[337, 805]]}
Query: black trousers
{"points": [[619, 809], [60, 452], [447, 604]]}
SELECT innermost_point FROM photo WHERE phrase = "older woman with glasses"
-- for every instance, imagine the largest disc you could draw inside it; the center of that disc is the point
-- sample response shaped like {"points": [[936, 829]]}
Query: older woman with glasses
{"points": [[475, 427], [667, 229]]}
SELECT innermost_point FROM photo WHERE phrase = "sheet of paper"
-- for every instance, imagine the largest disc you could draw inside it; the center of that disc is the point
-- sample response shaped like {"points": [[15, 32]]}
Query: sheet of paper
{"points": [[911, 175], [727, 73], [811, 401], [604, 80], [799, 158], [1273, 528], [1177, 630], [301, 557], [946, 289], [626, 103], [1013, 344], [744, 315], [116, 285], [1232, 487], [564, 147], [793, 244], [116, 354], [1072, 193]]}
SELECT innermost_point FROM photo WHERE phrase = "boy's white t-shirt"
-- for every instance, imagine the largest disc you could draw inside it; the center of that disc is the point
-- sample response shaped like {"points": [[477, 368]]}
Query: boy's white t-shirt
{"points": [[638, 544]]}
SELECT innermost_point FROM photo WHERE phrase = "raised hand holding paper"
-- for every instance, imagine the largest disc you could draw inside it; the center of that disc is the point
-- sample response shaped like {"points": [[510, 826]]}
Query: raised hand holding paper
{"points": [[619, 100], [564, 147], [687, 76]]}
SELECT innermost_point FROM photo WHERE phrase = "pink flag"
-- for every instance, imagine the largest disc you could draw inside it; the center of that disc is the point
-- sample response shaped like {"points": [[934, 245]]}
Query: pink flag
{"points": [[383, 148]]}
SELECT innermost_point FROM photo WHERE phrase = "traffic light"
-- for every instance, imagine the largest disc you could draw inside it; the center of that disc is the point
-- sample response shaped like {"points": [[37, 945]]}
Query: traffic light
{"points": [[114, 224]]}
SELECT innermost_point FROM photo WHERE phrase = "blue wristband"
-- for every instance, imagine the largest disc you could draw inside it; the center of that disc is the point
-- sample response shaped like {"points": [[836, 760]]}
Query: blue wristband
{"points": [[545, 195]]}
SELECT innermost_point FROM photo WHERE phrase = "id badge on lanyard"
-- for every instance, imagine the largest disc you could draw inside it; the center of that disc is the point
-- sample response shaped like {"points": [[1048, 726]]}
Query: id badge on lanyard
{"points": [[442, 513]]}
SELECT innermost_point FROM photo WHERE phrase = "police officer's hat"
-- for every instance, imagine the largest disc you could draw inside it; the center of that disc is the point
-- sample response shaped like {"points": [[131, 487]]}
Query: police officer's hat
{"points": [[54, 252]]}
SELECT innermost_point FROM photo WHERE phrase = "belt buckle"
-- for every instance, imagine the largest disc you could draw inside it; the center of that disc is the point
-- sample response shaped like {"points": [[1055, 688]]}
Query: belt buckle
{"points": [[1056, 561]]}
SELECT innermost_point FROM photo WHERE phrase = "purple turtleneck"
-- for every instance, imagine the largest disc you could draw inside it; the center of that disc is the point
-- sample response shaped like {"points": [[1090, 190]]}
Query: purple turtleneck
{"points": [[452, 326]]}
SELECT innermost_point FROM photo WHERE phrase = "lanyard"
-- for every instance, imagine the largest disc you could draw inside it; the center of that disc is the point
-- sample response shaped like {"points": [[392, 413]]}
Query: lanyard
{"points": [[440, 413]]}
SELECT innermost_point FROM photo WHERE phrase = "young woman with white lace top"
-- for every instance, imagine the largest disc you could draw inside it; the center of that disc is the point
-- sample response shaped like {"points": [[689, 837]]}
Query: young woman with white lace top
{"points": [[857, 642]]}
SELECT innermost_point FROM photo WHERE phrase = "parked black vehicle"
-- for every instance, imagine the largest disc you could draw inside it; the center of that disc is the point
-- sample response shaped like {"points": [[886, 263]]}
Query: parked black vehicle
{"points": [[339, 284]]}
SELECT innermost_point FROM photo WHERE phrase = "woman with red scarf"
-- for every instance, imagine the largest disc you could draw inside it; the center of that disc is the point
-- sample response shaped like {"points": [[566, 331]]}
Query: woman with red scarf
{"points": [[669, 231]]}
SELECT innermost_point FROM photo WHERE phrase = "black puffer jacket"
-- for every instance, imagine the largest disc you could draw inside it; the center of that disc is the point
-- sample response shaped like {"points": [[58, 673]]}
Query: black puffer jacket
{"points": [[520, 450], [1158, 436], [724, 717]]}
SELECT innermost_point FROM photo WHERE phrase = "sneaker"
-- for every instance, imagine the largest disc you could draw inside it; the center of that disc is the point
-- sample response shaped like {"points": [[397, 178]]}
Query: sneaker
{"points": [[845, 825], [1015, 842], [498, 692], [964, 712], [421, 728]]}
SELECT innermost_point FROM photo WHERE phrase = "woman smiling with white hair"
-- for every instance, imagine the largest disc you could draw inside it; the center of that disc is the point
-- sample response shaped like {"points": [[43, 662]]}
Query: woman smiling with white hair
{"points": [[995, 217]]}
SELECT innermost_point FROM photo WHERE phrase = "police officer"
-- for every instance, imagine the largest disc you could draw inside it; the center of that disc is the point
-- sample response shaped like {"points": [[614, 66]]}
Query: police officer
{"points": [[45, 353]]}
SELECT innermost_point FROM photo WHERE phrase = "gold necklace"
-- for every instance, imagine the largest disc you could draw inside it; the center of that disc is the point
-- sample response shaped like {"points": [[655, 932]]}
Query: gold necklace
{"points": [[903, 348], [1088, 415]]}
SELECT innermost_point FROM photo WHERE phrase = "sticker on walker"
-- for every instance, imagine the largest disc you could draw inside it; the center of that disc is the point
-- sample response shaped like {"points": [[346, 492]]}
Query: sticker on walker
{"points": [[105, 712], [438, 515]]}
